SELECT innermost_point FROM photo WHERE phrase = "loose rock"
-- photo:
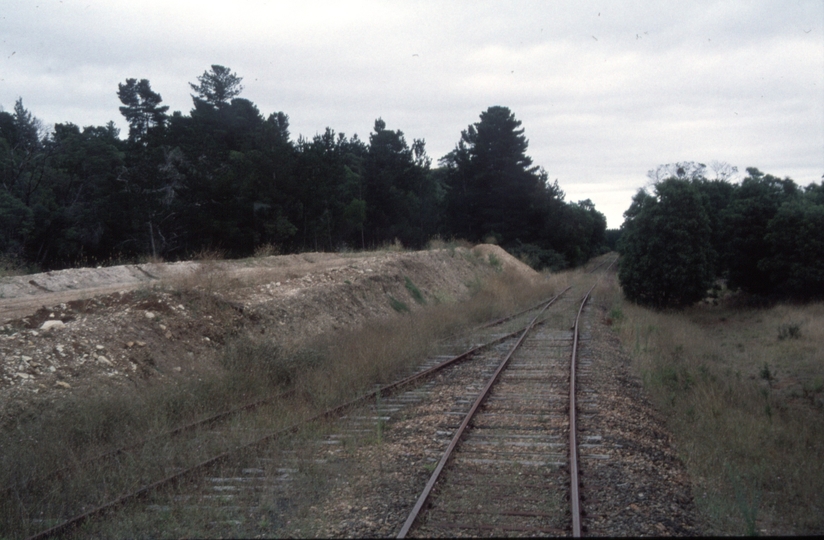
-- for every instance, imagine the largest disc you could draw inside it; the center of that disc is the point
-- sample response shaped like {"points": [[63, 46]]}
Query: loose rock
{"points": [[52, 324]]}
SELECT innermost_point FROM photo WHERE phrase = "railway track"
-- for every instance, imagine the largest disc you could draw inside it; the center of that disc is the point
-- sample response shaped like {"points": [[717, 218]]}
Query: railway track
{"points": [[221, 431], [223, 416], [273, 467], [504, 443], [508, 466]]}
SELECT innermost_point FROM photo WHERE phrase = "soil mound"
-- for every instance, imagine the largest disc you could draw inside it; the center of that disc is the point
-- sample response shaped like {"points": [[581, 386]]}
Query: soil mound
{"points": [[138, 324]]}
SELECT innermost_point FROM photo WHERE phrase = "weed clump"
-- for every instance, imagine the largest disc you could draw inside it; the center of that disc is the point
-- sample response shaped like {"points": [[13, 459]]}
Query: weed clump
{"points": [[11, 266], [266, 250], [209, 254], [436, 242], [812, 389], [414, 291], [261, 364], [789, 331], [766, 374], [397, 305]]}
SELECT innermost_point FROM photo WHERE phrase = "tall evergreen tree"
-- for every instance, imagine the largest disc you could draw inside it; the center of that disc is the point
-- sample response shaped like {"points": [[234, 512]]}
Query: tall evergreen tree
{"points": [[27, 127], [225, 177], [217, 87], [396, 179], [492, 182], [141, 107]]}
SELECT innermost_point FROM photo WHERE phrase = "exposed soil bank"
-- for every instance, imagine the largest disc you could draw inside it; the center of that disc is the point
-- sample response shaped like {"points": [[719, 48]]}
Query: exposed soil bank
{"points": [[143, 324]]}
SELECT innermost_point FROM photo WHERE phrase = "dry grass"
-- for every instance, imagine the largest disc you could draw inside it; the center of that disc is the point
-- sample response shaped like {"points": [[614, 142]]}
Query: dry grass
{"points": [[394, 246], [335, 367], [150, 259], [266, 250], [436, 242], [744, 403]]}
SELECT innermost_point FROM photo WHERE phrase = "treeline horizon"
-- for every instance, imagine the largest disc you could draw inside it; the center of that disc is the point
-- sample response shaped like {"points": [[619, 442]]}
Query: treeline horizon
{"points": [[225, 178]]}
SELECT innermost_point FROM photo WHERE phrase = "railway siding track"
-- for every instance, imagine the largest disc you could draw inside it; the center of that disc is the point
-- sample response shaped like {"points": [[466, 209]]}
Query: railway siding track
{"points": [[278, 480]]}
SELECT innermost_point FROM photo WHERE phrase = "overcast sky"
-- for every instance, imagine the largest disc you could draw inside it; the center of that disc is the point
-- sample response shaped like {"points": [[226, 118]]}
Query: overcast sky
{"points": [[605, 90]]}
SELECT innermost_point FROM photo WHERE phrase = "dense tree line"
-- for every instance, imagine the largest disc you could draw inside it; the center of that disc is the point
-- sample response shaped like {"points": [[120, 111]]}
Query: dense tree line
{"points": [[226, 177], [764, 236]]}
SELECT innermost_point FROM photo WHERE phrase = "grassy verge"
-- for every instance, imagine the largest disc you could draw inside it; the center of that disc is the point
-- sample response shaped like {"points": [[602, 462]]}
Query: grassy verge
{"points": [[741, 388], [323, 372]]}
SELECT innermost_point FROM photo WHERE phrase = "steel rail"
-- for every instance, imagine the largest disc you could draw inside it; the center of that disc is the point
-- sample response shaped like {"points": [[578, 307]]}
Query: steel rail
{"points": [[493, 323], [170, 480], [539, 304], [574, 476], [171, 433], [599, 265], [504, 319], [413, 515], [574, 494], [575, 499]]}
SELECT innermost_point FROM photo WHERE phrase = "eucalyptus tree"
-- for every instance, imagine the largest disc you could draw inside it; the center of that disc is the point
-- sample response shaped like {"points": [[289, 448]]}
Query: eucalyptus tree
{"points": [[795, 239], [745, 220], [665, 244]]}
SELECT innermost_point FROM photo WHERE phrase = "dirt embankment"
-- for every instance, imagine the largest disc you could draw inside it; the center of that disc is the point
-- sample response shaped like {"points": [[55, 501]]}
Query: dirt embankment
{"points": [[86, 329]]}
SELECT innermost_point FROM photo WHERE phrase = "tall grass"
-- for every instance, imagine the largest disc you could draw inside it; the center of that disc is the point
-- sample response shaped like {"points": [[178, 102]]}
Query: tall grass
{"points": [[731, 384], [335, 367]]}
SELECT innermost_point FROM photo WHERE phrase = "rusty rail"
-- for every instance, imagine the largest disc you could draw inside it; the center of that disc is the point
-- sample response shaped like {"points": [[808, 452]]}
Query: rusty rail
{"points": [[575, 499], [57, 473], [413, 515], [574, 480]]}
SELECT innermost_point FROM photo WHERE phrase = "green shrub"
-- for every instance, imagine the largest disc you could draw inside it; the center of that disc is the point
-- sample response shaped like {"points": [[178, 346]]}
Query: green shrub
{"points": [[414, 291], [538, 257], [397, 305]]}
